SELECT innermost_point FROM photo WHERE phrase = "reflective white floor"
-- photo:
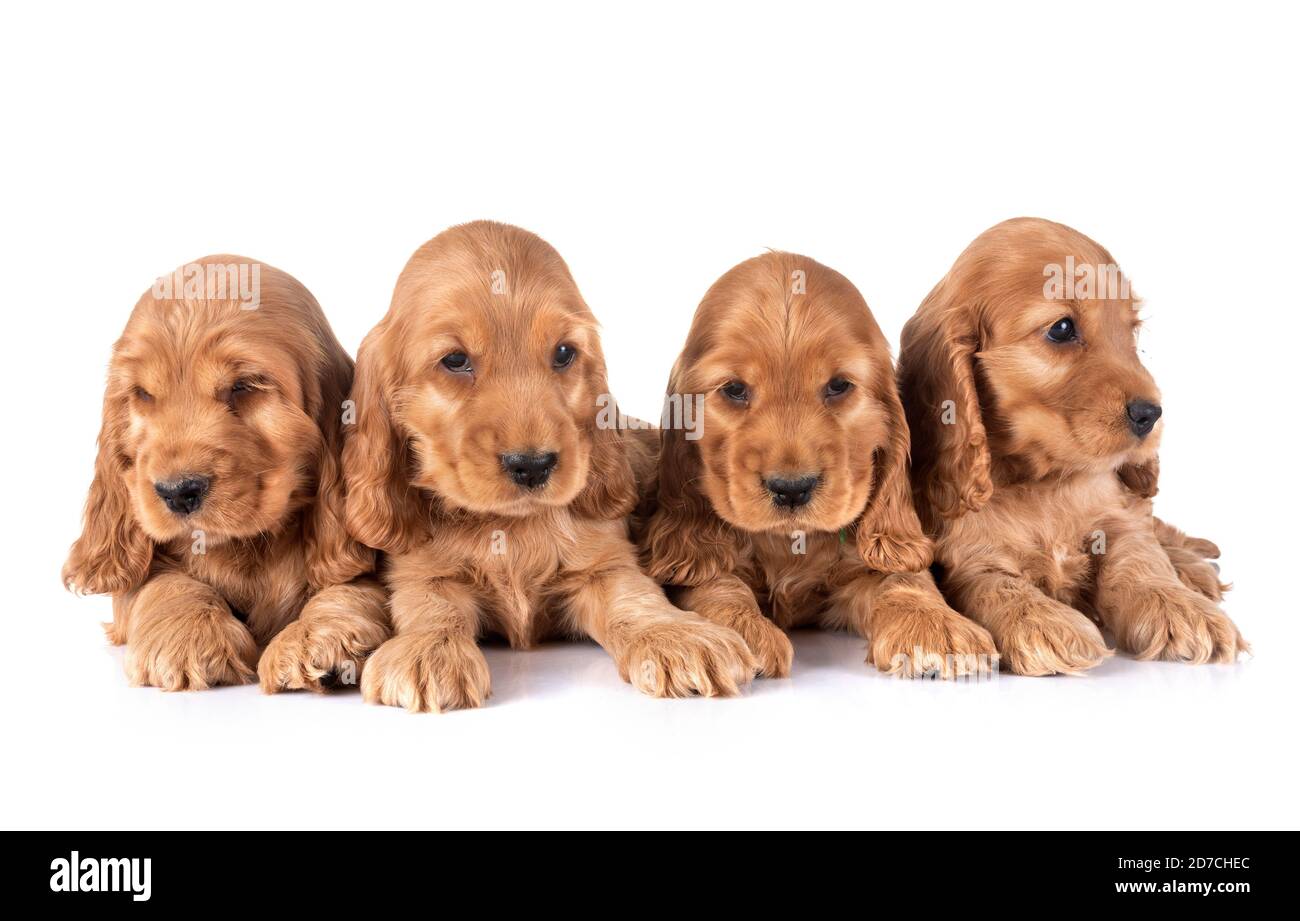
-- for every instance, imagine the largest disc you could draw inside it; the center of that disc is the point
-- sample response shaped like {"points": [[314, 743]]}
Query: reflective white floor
{"points": [[563, 742]]}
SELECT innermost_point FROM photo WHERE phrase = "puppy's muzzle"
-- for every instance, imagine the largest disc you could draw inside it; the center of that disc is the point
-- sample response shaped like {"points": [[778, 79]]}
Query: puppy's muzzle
{"points": [[531, 471], [183, 495], [791, 492], [1142, 417]]}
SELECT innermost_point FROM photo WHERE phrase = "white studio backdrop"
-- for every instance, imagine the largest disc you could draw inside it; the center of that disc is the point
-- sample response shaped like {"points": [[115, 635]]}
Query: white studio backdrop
{"points": [[655, 147]]}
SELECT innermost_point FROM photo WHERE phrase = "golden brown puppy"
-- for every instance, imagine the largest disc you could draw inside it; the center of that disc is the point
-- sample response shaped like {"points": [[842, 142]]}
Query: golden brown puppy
{"points": [[792, 500], [1034, 431], [479, 464], [215, 518]]}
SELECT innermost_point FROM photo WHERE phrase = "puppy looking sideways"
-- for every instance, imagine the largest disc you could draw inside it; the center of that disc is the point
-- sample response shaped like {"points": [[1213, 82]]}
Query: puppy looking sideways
{"points": [[478, 466], [215, 518], [1035, 428], [792, 506]]}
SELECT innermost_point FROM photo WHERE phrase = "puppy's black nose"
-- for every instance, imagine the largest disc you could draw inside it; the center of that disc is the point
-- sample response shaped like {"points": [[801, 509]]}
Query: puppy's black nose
{"points": [[787, 493], [529, 470], [1142, 417], [184, 495]]}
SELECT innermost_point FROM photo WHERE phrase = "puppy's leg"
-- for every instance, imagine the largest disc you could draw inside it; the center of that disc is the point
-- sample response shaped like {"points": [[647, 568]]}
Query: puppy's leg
{"points": [[1034, 634], [1191, 558], [909, 628], [661, 650], [326, 646], [181, 635], [1152, 611], [728, 601], [433, 663]]}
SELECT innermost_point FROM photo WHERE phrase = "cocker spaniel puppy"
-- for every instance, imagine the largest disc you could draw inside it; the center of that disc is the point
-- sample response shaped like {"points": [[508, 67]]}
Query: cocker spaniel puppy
{"points": [[215, 518], [1035, 428], [481, 466], [790, 504]]}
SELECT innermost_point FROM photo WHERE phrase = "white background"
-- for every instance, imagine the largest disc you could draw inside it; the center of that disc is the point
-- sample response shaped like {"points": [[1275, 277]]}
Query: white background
{"points": [[655, 149]]}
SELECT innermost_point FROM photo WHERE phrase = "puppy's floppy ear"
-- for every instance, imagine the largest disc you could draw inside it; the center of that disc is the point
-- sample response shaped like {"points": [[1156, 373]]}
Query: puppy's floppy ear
{"points": [[333, 556], [937, 379], [113, 554], [889, 534], [610, 491], [383, 509], [685, 542], [1143, 479]]}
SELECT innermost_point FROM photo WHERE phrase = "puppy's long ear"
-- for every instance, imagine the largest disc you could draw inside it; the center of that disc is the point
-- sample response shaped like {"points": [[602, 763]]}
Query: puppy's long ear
{"points": [[610, 491], [685, 542], [333, 556], [1143, 479], [383, 509], [889, 534], [950, 451], [113, 554]]}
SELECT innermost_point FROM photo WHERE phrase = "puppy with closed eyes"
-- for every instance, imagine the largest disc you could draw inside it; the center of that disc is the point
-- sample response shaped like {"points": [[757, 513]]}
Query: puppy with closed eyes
{"points": [[481, 467], [1035, 430], [792, 505], [215, 517]]}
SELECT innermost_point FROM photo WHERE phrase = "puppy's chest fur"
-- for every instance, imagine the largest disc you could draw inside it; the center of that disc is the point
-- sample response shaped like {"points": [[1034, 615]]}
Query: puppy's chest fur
{"points": [[1053, 535], [264, 580], [794, 576], [522, 569]]}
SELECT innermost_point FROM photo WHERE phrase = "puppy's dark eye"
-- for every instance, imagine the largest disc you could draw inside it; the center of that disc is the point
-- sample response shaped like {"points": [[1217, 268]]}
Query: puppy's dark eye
{"points": [[457, 362], [1063, 331], [564, 355], [239, 387], [837, 386], [144, 396], [736, 391]]}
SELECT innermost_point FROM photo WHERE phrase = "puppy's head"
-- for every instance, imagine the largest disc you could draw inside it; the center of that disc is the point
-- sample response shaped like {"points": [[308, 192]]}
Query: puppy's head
{"points": [[1024, 358], [222, 420], [802, 425], [482, 387]]}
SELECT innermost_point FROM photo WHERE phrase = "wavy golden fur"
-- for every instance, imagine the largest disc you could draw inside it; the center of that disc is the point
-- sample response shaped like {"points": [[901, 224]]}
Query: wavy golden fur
{"points": [[798, 388], [215, 517], [1035, 430], [464, 379]]}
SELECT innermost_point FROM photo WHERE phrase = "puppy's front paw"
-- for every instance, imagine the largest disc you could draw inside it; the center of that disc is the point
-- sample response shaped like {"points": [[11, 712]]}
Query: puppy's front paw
{"points": [[319, 654], [1055, 640], [1199, 574], [1193, 559], [687, 657], [191, 650], [933, 641], [427, 672], [1179, 625], [767, 642]]}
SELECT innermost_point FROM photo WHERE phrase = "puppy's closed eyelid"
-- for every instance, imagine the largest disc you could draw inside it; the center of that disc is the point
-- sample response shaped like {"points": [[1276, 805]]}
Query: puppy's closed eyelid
{"points": [[246, 384]]}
